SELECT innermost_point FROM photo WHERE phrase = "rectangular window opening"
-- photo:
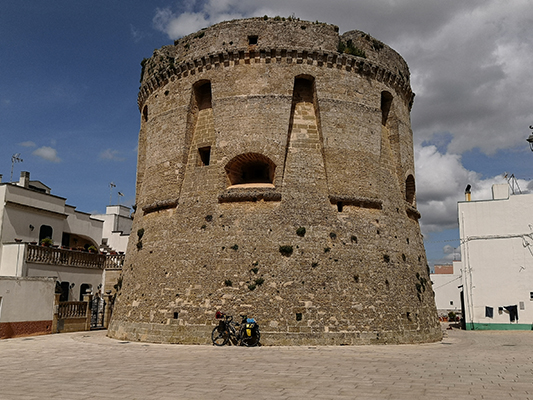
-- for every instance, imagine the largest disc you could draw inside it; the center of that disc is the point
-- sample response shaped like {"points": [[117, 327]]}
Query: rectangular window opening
{"points": [[531, 296], [252, 39], [205, 155], [340, 206], [176, 315]]}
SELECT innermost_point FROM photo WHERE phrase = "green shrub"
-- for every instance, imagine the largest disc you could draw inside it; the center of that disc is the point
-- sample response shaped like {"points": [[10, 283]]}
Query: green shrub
{"points": [[350, 48], [286, 250], [300, 231], [47, 241]]}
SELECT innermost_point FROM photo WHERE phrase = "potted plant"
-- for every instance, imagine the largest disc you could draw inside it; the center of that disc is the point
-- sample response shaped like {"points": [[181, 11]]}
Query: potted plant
{"points": [[92, 249], [47, 242]]}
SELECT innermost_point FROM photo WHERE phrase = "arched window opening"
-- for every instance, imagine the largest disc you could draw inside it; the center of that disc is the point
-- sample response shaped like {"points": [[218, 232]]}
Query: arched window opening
{"points": [[83, 289], [202, 93], [410, 189], [145, 113], [45, 232], [63, 288], [250, 168], [303, 89], [386, 102], [204, 156]]}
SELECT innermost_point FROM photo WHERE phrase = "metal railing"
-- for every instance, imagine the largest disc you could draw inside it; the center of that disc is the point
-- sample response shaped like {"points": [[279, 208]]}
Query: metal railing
{"points": [[73, 258]]}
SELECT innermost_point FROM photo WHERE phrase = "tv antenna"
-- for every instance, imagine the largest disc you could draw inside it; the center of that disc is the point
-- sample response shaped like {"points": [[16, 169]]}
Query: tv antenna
{"points": [[15, 158], [512, 182], [111, 186]]}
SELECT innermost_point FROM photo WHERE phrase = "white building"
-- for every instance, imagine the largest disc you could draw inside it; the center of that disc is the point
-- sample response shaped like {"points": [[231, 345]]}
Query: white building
{"points": [[497, 260], [446, 281], [29, 213]]}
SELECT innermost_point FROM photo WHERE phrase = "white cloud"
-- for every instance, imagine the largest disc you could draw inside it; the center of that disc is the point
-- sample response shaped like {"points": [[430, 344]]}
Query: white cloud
{"points": [[473, 77], [441, 183], [179, 25], [448, 249], [110, 155], [47, 153], [28, 143], [137, 34]]}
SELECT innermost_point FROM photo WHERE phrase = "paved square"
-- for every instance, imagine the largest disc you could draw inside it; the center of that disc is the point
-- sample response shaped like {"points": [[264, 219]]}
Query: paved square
{"points": [[89, 365]]}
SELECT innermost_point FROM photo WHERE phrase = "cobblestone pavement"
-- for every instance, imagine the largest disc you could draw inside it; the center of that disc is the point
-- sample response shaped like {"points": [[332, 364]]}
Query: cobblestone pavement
{"points": [[88, 365]]}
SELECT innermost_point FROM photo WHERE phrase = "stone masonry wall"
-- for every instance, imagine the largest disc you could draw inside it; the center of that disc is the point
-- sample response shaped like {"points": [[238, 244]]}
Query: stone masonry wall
{"points": [[275, 179]]}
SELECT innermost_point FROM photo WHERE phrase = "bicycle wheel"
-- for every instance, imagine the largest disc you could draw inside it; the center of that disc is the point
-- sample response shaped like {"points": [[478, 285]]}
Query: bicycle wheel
{"points": [[251, 341], [219, 338]]}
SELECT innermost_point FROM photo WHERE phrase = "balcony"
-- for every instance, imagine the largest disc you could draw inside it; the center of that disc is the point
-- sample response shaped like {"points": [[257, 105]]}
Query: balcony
{"points": [[72, 258]]}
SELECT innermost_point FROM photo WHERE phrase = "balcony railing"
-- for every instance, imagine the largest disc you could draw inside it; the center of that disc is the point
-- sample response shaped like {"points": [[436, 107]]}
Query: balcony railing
{"points": [[72, 309], [73, 258]]}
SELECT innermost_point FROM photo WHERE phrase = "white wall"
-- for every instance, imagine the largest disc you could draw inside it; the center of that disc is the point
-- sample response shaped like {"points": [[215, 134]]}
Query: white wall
{"points": [[82, 224], [117, 226], [22, 208], [76, 275], [497, 257], [12, 259], [26, 299], [446, 291]]}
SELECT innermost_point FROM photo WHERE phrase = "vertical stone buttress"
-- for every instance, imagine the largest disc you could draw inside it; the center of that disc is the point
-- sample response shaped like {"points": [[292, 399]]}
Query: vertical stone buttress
{"points": [[304, 178]]}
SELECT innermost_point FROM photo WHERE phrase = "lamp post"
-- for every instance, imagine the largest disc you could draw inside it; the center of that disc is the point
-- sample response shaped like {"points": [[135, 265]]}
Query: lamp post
{"points": [[530, 138]]}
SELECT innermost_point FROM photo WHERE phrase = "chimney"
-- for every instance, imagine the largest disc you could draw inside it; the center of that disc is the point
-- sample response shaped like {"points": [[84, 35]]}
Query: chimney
{"points": [[1, 178], [24, 180], [468, 193], [500, 191]]}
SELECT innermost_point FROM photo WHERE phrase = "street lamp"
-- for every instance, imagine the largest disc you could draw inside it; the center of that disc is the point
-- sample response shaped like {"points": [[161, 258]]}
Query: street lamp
{"points": [[530, 139]]}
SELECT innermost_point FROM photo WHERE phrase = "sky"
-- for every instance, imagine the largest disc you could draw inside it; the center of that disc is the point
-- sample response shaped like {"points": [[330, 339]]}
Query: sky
{"points": [[69, 78]]}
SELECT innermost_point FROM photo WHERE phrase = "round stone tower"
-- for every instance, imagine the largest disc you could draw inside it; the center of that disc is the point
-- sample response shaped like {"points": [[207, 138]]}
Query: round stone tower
{"points": [[275, 179]]}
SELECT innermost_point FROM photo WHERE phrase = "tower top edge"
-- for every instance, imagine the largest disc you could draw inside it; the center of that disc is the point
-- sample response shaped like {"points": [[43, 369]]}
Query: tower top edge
{"points": [[264, 34]]}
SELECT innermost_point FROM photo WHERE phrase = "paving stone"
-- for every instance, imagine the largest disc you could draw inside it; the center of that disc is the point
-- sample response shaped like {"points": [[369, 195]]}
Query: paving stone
{"points": [[477, 365]]}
